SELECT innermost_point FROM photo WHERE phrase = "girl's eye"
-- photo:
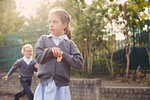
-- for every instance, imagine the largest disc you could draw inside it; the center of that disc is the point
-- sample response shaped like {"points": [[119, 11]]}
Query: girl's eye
{"points": [[55, 22]]}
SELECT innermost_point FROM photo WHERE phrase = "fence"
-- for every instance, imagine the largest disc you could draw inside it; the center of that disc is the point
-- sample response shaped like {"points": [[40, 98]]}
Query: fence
{"points": [[11, 52], [139, 51], [139, 56]]}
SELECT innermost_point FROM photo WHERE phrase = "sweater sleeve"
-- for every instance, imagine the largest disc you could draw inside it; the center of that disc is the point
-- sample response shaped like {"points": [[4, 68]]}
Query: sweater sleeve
{"points": [[42, 55], [13, 68], [74, 59]]}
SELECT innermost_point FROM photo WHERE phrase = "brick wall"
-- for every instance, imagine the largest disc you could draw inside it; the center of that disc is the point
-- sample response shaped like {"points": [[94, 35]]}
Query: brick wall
{"points": [[124, 93], [83, 89]]}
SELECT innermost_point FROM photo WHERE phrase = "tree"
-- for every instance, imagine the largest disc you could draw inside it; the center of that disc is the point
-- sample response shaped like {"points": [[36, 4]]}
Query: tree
{"points": [[132, 14], [87, 25], [10, 20]]}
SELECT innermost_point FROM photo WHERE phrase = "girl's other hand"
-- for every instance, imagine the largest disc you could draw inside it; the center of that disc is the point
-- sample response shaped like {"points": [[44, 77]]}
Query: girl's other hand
{"points": [[56, 52], [5, 78], [36, 65]]}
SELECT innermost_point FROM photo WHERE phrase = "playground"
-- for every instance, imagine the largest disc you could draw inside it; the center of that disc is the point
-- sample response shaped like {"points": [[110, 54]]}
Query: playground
{"points": [[113, 38]]}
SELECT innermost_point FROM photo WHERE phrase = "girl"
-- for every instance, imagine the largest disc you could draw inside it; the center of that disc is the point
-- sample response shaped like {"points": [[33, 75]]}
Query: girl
{"points": [[27, 66], [56, 53]]}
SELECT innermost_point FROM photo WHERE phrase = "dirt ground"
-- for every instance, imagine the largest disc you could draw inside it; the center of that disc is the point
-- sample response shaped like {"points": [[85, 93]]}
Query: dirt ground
{"points": [[124, 82], [10, 97]]}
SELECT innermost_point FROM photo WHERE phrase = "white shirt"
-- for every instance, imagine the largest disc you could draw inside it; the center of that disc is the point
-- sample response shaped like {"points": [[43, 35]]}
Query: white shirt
{"points": [[57, 40], [27, 60]]}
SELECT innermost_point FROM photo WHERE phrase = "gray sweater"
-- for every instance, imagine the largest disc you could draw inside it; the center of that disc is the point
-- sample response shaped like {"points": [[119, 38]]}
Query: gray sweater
{"points": [[49, 67], [25, 70]]}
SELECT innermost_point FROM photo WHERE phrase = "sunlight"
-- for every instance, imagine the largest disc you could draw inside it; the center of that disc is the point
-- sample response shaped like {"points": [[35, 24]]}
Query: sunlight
{"points": [[89, 2], [27, 8], [117, 1]]}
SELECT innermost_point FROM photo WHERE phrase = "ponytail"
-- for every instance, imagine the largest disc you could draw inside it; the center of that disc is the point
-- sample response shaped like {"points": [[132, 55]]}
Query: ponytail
{"points": [[68, 32]]}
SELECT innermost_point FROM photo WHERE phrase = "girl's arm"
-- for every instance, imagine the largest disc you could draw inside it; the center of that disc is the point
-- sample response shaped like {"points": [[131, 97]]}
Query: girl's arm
{"points": [[74, 59], [42, 54]]}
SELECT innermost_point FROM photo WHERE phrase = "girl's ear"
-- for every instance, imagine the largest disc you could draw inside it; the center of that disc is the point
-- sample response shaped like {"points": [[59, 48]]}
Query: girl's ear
{"points": [[65, 25]]}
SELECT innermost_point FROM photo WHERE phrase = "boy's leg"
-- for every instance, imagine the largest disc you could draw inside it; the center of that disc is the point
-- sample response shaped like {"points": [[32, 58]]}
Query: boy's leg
{"points": [[26, 85], [20, 94]]}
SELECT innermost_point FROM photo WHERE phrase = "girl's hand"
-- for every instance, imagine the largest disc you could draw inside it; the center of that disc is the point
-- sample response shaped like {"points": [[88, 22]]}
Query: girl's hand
{"points": [[5, 78], [56, 52], [36, 65]]}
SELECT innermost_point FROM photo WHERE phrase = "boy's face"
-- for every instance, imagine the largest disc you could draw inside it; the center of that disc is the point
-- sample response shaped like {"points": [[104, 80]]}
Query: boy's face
{"points": [[28, 52], [55, 25]]}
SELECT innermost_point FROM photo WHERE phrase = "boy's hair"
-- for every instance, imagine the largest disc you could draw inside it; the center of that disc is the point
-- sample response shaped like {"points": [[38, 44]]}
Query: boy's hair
{"points": [[65, 18], [25, 46]]}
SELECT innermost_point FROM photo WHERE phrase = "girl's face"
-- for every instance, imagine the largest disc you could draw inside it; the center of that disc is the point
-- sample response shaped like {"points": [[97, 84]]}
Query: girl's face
{"points": [[56, 26], [27, 52]]}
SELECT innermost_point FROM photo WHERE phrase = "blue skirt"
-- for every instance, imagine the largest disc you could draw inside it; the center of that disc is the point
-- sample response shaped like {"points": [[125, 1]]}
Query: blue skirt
{"points": [[51, 92]]}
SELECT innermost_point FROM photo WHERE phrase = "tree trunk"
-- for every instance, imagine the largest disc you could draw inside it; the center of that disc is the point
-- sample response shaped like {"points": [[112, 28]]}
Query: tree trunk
{"points": [[111, 59], [89, 56], [88, 51], [128, 57], [108, 66], [149, 51]]}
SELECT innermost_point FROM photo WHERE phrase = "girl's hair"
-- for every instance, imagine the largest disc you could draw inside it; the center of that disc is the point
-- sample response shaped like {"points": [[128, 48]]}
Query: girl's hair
{"points": [[25, 46], [65, 18]]}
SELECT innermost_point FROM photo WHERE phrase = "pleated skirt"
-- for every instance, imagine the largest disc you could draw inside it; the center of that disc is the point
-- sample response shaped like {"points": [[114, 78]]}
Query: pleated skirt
{"points": [[51, 92]]}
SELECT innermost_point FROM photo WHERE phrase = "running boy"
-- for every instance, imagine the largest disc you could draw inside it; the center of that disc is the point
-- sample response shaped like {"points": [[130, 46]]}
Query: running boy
{"points": [[27, 66]]}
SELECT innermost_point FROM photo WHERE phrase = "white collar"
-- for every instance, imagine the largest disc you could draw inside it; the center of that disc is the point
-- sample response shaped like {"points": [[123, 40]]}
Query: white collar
{"points": [[60, 37], [27, 60]]}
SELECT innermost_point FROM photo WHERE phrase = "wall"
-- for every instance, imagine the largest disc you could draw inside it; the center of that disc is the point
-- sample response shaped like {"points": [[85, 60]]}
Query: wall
{"points": [[83, 89]]}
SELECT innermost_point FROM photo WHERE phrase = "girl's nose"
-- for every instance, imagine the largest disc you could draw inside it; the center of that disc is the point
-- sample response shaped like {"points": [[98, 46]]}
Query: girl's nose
{"points": [[29, 53], [51, 25]]}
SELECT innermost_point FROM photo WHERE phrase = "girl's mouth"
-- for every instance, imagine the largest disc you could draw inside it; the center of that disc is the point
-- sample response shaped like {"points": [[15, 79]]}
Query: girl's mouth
{"points": [[51, 29]]}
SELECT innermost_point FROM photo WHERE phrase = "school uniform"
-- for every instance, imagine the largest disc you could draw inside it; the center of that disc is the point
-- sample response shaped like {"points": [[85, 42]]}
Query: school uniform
{"points": [[26, 72], [55, 76]]}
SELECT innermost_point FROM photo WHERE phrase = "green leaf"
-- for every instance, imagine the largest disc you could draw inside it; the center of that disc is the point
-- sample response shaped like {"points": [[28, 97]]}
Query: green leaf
{"points": [[143, 16]]}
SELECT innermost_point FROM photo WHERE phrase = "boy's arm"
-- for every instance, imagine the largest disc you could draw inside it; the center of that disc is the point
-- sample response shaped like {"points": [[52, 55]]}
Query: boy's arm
{"points": [[36, 67], [74, 59], [13, 68], [42, 55]]}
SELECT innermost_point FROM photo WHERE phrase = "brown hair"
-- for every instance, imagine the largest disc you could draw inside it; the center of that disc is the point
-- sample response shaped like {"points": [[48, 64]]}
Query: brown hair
{"points": [[65, 18]]}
